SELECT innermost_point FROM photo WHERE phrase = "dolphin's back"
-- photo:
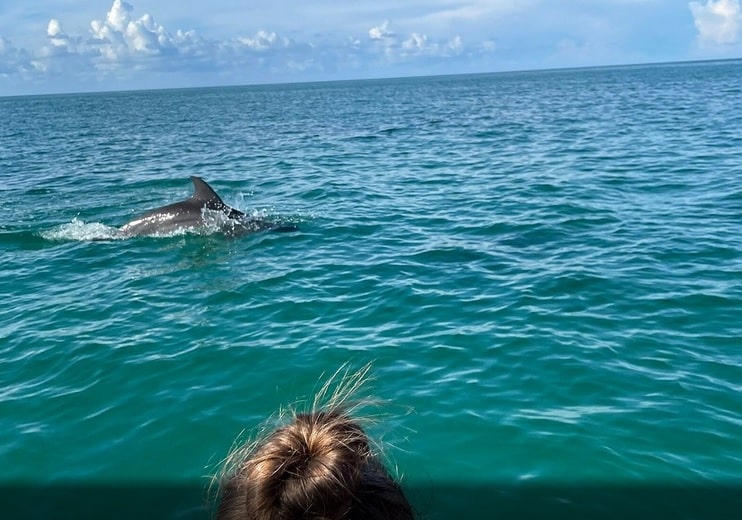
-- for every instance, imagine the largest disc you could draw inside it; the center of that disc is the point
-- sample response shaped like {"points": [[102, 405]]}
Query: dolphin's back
{"points": [[184, 214], [189, 213]]}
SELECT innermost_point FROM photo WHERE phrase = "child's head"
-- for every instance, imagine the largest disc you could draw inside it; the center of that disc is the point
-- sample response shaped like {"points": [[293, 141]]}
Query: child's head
{"points": [[318, 466]]}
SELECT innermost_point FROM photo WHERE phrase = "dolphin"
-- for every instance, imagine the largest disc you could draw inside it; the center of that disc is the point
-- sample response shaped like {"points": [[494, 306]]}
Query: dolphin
{"points": [[202, 209]]}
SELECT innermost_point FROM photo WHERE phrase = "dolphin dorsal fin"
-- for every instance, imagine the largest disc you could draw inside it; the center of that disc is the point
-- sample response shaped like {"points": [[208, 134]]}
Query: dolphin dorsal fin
{"points": [[206, 197], [203, 192]]}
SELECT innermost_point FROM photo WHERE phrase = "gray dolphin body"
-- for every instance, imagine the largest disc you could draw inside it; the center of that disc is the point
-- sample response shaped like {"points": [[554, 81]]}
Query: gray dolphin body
{"points": [[192, 213]]}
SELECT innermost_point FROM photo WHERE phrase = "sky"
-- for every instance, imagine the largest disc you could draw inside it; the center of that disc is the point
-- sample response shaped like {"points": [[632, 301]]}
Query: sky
{"points": [[58, 46]]}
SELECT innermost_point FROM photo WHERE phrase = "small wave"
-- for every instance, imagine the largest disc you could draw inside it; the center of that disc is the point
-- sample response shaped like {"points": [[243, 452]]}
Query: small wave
{"points": [[80, 230]]}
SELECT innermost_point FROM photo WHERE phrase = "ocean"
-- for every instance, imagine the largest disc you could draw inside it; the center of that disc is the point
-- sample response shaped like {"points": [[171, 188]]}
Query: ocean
{"points": [[544, 270]]}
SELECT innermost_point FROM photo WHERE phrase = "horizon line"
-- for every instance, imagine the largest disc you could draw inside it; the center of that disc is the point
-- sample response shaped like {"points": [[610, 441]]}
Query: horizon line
{"points": [[381, 78]]}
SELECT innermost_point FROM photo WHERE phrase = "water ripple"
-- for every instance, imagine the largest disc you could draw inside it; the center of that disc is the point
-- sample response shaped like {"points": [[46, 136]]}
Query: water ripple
{"points": [[543, 266]]}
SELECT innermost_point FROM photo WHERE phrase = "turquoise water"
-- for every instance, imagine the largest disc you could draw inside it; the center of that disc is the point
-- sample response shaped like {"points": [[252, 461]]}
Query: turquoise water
{"points": [[545, 269]]}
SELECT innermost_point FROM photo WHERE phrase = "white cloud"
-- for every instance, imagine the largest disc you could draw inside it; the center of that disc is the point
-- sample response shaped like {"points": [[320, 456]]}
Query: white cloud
{"points": [[118, 16], [56, 35], [380, 32], [719, 22], [418, 45], [54, 29], [120, 36], [416, 42], [395, 49], [455, 44], [263, 40], [61, 44]]}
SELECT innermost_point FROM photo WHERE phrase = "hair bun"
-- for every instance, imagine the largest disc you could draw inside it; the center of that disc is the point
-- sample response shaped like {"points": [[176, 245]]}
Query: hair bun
{"points": [[311, 468]]}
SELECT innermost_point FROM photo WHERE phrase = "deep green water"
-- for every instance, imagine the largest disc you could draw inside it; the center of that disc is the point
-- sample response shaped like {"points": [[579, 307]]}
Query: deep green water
{"points": [[544, 268]]}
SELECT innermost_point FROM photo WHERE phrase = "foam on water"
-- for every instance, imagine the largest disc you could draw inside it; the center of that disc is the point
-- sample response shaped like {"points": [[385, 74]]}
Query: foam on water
{"points": [[80, 230]]}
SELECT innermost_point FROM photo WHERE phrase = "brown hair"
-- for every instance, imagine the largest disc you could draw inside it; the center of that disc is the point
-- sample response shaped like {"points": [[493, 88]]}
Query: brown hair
{"points": [[320, 466]]}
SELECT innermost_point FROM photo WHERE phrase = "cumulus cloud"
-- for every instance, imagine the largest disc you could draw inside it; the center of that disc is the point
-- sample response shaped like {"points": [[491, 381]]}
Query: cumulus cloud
{"points": [[396, 48], [418, 44], [60, 44], [263, 40], [54, 29], [381, 31], [120, 36], [719, 22]]}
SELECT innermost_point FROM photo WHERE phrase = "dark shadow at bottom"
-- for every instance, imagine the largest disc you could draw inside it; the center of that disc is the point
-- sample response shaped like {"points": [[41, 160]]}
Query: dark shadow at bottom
{"points": [[434, 502], [508, 502]]}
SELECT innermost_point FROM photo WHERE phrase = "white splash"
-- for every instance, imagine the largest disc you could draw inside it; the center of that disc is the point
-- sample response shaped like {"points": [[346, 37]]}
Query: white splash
{"points": [[79, 230]]}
